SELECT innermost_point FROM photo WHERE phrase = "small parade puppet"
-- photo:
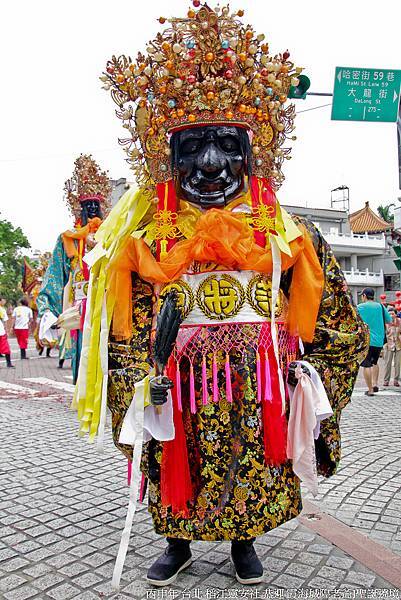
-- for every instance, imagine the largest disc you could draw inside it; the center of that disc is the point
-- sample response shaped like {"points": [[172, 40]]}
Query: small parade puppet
{"points": [[62, 299]]}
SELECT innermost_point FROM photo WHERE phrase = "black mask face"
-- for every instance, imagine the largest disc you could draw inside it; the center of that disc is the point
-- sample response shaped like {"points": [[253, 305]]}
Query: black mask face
{"points": [[211, 163], [89, 210]]}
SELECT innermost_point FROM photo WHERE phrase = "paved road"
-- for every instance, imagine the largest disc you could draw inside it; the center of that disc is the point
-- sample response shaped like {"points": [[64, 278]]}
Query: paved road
{"points": [[62, 509]]}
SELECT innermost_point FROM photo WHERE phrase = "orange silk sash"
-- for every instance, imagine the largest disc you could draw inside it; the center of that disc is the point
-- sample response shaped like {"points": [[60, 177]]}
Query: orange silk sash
{"points": [[82, 233], [225, 239]]}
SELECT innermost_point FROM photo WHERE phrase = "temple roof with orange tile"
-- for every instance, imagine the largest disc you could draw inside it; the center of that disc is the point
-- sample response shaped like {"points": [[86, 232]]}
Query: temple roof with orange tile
{"points": [[366, 221]]}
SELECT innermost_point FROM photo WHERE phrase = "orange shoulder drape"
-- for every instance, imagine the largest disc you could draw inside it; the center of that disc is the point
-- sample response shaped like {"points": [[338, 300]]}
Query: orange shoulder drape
{"points": [[226, 239], [82, 233]]}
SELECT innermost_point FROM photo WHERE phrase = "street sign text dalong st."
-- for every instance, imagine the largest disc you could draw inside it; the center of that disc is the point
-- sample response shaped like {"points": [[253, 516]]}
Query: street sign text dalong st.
{"points": [[366, 94]]}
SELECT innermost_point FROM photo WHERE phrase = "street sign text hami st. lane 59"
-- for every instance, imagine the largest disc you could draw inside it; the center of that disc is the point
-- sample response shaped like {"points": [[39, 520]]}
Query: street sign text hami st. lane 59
{"points": [[366, 94]]}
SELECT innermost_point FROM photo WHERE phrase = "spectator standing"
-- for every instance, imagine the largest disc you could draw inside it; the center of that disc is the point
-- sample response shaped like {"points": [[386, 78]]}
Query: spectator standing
{"points": [[392, 348], [23, 317], [375, 315], [4, 345]]}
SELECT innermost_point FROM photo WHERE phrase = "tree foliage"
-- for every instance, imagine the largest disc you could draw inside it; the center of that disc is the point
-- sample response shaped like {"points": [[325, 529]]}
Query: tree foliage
{"points": [[386, 212], [12, 243]]}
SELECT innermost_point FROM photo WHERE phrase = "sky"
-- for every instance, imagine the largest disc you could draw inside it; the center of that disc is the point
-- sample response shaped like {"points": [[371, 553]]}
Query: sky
{"points": [[53, 107]]}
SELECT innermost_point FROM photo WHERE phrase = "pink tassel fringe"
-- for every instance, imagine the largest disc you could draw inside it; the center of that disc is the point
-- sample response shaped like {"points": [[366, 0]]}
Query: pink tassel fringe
{"points": [[142, 490], [178, 385], [215, 380], [258, 378], [205, 395], [192, 390], [268, 381], [229, 391]]}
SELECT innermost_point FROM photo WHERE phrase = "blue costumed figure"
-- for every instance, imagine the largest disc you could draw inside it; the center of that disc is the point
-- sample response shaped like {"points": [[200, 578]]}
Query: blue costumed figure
{"points": [[61, 301]]}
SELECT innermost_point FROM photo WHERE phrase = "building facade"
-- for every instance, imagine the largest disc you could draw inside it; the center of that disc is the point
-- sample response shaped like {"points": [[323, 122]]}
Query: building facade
{"points": [[362, 243], [119, 187]]}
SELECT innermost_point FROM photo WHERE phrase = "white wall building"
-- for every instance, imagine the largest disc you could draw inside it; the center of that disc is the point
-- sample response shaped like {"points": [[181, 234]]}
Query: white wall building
{"points": [[362, 243]]}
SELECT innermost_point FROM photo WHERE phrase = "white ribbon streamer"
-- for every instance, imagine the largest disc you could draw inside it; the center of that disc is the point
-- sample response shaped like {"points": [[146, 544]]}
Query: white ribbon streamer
{"points": [[46, 333], [157, 424], [134, 487]]}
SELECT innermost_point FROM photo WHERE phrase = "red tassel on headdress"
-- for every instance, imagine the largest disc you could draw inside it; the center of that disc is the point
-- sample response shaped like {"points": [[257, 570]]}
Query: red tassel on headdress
{"points": [[175, 478], [274, 422], [262, 194]]}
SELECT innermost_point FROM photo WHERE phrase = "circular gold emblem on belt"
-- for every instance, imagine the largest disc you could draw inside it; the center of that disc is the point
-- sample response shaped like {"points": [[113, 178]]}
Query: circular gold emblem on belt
{"points": [[220, 296], [184, 293], [259, 296]]}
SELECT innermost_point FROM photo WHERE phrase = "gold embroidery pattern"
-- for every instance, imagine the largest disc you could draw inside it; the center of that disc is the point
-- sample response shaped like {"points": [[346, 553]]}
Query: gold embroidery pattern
{"points": [[186, 300], [264, 221], [78, 276], [165, 226], [220, 297], [259, 296]]}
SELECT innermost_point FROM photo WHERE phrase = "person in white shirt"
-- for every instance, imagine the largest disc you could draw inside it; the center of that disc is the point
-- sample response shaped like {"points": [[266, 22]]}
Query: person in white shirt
{"points": [[4, 345], [22, 316]]}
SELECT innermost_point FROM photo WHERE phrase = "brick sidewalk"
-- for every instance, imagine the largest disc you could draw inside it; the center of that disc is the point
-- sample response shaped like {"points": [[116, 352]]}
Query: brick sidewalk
{"points": [[62, 509], [36, 366]]}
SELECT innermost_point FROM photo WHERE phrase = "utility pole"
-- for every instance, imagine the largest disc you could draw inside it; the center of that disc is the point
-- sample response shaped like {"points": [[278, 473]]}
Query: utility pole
{"points": [[399, 144]]}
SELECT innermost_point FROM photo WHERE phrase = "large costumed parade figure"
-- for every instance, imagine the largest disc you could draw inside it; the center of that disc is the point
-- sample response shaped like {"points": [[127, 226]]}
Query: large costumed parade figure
{"points": [[219, 329], [61, 301]]}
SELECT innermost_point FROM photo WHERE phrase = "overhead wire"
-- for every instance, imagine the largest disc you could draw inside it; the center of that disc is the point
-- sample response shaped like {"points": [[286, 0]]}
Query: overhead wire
{"points": [[313, 108]]}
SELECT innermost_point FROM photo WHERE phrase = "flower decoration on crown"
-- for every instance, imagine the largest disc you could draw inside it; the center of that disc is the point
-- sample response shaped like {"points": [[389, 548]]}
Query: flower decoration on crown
{"points": [[88, 182], [206, 68]]}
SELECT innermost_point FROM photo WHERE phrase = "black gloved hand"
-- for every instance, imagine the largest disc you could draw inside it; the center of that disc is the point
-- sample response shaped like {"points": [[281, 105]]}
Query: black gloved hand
{"points": [[292, 379], [159, 387]]}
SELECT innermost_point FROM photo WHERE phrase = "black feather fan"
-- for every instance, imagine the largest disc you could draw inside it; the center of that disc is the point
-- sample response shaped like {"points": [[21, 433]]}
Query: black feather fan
{"points": [[168, 322]]}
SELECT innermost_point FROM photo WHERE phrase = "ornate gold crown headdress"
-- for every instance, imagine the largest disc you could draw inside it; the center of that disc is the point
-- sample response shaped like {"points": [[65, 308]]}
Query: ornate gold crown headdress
{"points": [[205, 68], [87, 182]]}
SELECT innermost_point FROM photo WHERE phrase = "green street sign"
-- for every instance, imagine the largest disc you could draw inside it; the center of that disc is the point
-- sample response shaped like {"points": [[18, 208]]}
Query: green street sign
{"points": [[366, 94]]}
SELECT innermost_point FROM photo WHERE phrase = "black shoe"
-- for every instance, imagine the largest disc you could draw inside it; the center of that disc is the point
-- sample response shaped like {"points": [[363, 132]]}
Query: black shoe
{"points": [[248, 568], [60, 363], [176, 557], [40, 352], [23, 355], [375, 388], [8, 361]]}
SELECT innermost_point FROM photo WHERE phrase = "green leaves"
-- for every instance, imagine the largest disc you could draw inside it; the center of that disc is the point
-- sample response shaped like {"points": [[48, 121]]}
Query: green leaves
{"points": [[12, 242], [386, 212]]}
